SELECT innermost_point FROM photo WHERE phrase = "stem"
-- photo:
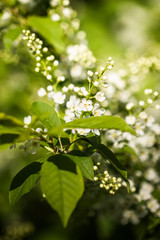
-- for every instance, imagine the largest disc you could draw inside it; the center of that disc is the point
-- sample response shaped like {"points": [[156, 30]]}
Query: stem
{"points": [[60, 144]]}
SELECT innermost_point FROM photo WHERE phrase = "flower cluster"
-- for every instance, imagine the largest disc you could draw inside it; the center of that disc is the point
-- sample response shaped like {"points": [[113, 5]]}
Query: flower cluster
{"points": [[77, 89], [30, 146]]}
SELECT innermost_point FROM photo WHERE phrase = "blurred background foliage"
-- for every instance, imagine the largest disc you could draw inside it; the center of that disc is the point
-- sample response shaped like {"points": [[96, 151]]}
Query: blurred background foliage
{"points": [[125, 30]]}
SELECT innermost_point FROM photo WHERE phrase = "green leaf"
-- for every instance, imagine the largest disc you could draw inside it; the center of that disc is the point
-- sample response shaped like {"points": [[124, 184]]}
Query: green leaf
{"points": [[12, 135], [46, 114], [109, 155], [50, 30], [8, 138], [62, 188], [24, 181], [11, 2], [4, 146], [10, 36], [7, 130], [127, 149], [85, 163], [101, 122], [10, 121]]}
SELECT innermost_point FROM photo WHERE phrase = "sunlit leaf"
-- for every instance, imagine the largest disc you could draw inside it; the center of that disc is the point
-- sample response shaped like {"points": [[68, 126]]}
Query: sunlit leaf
{"points": [[10, 121], [10, 36], [50, 30], [46, 114], [85, 163], [11, 130], [61, 186], [101, 122]]}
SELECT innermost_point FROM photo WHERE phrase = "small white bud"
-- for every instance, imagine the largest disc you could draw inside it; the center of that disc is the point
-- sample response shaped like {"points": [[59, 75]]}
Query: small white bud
{"points": [[90, 73], [38, 58], [95, 167], [45, 49], [49, 77]]}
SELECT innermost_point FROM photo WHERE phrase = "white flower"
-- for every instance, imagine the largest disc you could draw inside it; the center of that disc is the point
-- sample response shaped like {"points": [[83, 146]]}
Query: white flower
{"points": [[96, 83], [67, 12], [153, 205], [129, 106], [130, 119], [115, 79], [98, 111], [90, 73], [96, 131], [129, 215], [49, 77], [50, 88], [81, 54], [6, 16], [69, 115], [54, 3], [73, 102], [143, 115], [139, 129], [64, 89], [83, 131], [100, 96], [39, 130], [59, 97], [156, 128], [50, 95], [86, 105], [25, 1], [26, 147], [35, 146], [151, 175], [76, 71], [71, 86], [149, 121], [148, 91], [61, 78], [82, 91], [141, 103], [27, 120], [55, 17], [41, 92], [145, 191], [147, 140]]}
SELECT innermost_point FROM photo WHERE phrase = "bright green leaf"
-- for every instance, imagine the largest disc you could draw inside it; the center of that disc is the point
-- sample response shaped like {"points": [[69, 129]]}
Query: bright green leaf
{"points": [[12, 135], [50, 30], [24, 181], [10, 36], [62, 188], [101, 122], [85, 163], [11, 2], [7, 130], [4, 146], [46, 114], [10, 121]]}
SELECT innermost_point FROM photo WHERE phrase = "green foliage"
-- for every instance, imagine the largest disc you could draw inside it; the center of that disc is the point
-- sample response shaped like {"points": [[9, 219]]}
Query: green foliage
{"points": [[24, 181], [101, 122], [83, 162], [10, 121], [10, 36], [109, 155], [46, 114], [62, 188], [50, 30]]}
